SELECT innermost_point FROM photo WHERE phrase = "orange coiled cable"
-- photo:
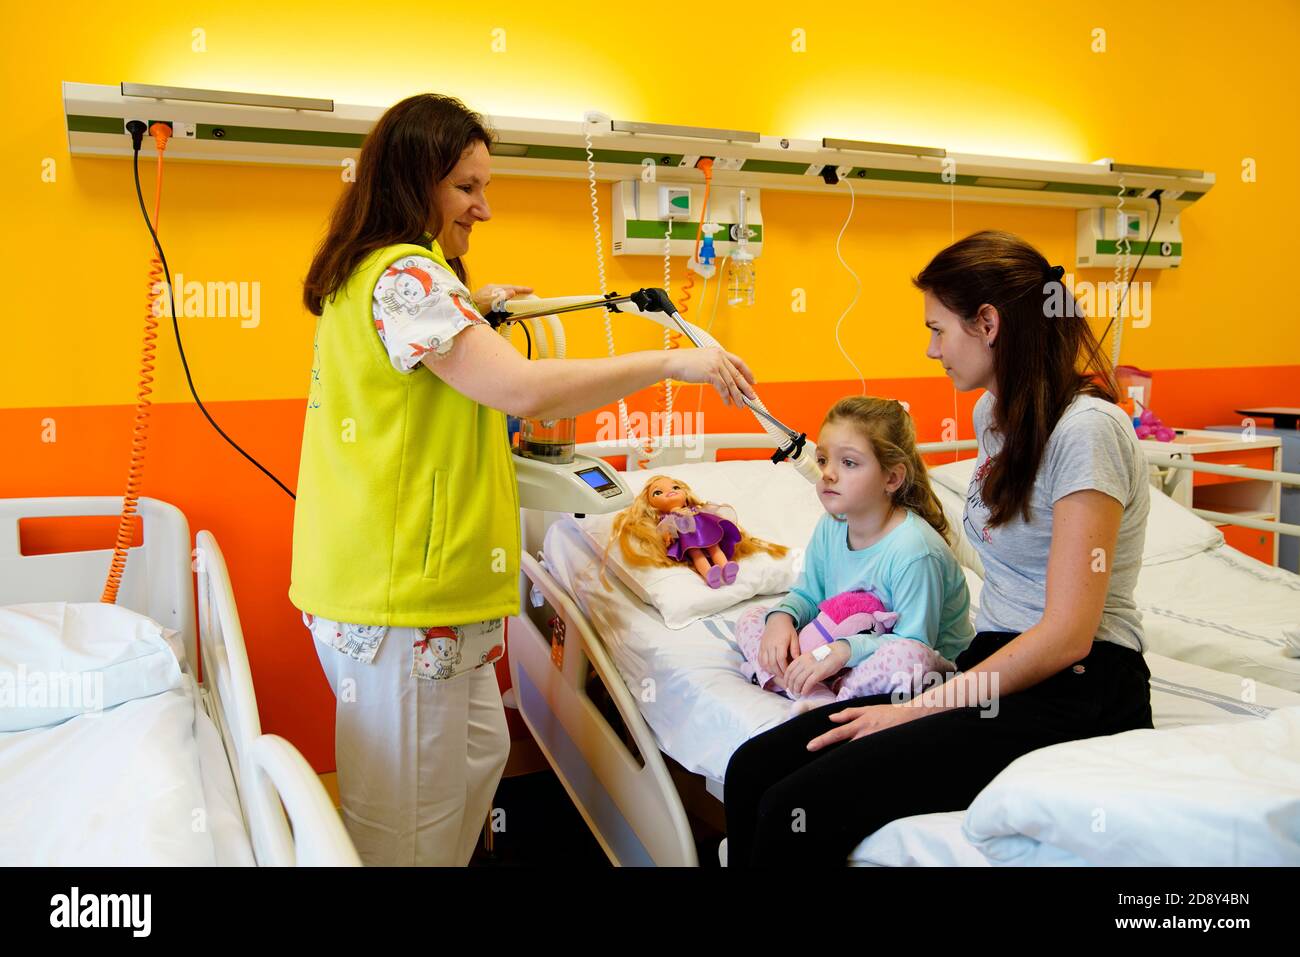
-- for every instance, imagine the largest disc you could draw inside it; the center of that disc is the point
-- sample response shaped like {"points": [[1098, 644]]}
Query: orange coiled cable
{"points": [[140, 430]]}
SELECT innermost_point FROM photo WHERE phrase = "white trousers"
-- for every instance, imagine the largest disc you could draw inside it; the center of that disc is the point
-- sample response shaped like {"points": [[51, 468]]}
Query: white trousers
{"points": [[419, 760]]}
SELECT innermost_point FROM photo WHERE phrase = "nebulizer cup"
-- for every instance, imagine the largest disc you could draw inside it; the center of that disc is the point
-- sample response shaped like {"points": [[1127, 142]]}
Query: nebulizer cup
{"points": [[547, 440]]}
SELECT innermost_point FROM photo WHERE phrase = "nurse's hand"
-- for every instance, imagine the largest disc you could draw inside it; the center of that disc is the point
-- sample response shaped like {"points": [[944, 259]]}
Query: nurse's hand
{"points": [[716, 367], [491, 296]]}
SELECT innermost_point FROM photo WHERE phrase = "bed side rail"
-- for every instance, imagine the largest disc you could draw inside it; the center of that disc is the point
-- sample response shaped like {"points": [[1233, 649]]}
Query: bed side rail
{"points": [[622, 789]]}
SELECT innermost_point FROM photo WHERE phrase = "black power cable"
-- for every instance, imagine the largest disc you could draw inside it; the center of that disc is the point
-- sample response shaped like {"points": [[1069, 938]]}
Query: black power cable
{"points": [[527, 338], [137, 136], [1124, 298]]}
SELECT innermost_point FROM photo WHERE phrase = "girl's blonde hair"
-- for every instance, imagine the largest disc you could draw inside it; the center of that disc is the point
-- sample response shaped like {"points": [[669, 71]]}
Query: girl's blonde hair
{"points": [[636, 529], [888, 428]]}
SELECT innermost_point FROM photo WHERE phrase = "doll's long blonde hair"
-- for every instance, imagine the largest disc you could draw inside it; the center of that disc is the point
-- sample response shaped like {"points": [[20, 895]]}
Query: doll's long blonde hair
{"points": [[636, 529]]}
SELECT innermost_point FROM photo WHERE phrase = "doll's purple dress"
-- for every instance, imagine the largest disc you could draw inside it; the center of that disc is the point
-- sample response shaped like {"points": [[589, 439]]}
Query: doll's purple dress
{"points": [[701, 529]]}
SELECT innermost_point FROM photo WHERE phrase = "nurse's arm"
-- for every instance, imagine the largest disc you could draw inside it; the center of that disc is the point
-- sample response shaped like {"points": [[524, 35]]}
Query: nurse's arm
{"points": [[487, 369], [1085, 529]]}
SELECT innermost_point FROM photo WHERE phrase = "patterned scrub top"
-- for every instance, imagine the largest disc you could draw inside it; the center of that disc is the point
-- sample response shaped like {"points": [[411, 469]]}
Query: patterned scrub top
{"points": [[419, 306]]}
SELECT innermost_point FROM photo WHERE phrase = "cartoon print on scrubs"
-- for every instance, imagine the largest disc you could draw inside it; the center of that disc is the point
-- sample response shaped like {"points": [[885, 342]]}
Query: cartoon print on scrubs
{"points": [[439, 653], [439, 650], [418, 308], [356, 641]]}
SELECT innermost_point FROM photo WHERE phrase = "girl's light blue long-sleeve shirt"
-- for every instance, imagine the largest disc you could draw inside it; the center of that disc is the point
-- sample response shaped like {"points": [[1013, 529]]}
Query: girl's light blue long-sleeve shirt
{"points": [[912, 570]]}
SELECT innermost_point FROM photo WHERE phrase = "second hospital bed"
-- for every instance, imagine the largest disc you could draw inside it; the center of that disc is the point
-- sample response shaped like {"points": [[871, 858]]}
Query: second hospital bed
{"points": [[177, 776], [582, 657]]}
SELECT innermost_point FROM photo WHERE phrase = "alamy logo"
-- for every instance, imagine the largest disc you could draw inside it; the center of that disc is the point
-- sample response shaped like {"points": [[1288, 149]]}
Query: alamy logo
{"points": [[1131, 300], [103, 910], [211, 300]]}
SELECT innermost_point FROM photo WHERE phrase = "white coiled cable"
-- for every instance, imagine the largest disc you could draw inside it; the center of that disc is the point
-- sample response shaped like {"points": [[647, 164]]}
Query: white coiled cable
{"points": [[595, 117], [856, 292], [1122, 260], [666, 426]]}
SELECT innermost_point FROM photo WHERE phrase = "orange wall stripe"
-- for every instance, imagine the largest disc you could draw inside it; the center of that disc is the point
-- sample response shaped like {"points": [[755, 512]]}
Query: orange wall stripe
{"points": [[190, 467]]}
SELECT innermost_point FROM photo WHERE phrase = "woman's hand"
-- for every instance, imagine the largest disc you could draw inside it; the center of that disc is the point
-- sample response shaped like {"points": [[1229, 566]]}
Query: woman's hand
{"points": [[780, 643], [859, 722], [491, 296], [805, 671], [716, 367]]}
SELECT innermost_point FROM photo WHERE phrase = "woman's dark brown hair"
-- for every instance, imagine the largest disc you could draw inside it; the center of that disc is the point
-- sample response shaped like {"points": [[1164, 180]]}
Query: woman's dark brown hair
{"points": [[412, 148], [1044, 354]]}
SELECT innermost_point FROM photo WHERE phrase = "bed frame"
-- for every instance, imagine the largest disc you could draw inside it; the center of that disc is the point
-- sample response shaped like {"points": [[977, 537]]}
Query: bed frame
{"points": [[586, 722], [287, 813]]}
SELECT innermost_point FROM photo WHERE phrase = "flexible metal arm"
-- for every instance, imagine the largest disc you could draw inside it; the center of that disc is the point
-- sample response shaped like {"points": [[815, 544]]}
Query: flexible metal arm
{"points": [[653, 303]]}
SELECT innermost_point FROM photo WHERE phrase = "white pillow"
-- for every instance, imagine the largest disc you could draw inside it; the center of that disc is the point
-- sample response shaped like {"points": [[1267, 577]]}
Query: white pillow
{"points": [[61, 659], [772, 502], [1173, 532]]}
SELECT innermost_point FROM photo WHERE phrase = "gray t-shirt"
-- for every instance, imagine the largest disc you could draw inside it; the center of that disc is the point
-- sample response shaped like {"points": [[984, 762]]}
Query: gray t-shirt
{"points": [[1093, 446]]}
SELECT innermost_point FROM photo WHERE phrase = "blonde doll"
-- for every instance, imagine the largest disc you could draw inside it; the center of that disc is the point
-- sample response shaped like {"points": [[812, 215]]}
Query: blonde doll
{"points": [[667, 525]]}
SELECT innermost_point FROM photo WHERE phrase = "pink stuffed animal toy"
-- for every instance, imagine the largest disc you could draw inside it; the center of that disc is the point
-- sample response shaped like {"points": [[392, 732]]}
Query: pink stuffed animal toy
{"points": [[903, 665], [852, 613]]}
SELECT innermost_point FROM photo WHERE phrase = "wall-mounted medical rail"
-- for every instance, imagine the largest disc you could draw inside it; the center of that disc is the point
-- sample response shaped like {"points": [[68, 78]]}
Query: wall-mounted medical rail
{"points": [[255, 128]]}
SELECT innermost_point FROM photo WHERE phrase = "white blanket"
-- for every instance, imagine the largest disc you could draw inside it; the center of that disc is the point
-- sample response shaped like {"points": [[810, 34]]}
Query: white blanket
{"points": [[125, 787], [1210, 795]]}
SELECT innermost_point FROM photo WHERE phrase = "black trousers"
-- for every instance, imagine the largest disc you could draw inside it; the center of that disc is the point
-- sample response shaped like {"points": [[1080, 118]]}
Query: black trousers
{"points": [[786, 804]]}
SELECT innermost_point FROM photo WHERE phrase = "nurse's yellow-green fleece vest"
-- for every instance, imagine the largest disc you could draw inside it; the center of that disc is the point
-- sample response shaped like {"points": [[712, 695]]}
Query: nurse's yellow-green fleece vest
{"points": [[407, 511]]}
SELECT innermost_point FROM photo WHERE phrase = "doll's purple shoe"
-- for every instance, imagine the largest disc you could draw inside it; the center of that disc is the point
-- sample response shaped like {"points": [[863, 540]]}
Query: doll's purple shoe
{"points": [[729, 572], [714, 577]]}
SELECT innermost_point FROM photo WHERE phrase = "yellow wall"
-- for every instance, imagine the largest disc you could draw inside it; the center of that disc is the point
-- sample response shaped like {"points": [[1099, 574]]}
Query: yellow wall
{"points": [[970, 77]]}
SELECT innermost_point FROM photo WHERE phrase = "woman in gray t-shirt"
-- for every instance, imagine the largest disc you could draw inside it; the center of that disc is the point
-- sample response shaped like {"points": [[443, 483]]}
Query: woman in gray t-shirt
{"points": [[1057, 510]]}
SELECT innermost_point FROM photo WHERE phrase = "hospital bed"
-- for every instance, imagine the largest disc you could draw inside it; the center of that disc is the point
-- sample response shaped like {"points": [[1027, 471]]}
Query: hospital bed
{"points": [[639, 720], [184, 776]]}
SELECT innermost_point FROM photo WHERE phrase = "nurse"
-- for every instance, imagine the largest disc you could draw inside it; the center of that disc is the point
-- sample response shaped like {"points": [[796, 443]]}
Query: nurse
{"points": [[406, 527]]}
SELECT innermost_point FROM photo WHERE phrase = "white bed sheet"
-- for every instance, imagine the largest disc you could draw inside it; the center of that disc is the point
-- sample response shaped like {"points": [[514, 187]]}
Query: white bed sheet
{"points": [[703, 708], [1224, 610], [145, 783], [1201, 601]]}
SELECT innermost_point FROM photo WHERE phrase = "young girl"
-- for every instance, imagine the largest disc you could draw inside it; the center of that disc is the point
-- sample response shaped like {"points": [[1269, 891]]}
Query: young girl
{"points": [[883, 533]]}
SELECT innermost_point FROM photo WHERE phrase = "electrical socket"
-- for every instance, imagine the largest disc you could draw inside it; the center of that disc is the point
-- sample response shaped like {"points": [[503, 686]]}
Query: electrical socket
{"points": [[179, 129]]}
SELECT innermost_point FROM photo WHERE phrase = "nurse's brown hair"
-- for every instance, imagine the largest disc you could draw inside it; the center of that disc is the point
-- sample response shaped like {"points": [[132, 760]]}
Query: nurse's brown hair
{"points": [[412, 148]]}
